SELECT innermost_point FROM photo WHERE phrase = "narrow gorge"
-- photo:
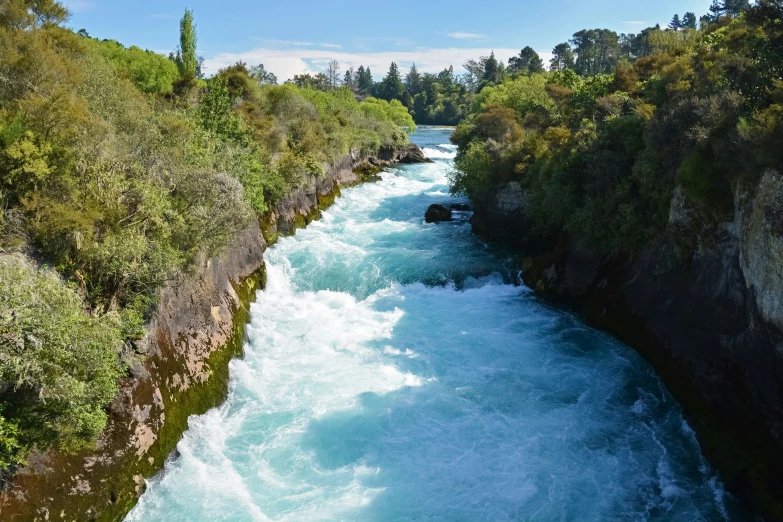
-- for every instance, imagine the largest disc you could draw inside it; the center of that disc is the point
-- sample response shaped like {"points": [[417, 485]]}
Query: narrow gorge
{"points": [[397, 370]]}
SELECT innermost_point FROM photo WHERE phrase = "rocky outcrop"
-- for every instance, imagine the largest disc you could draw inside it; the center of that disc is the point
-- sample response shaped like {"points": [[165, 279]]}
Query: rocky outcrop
{"points": [[503, 217], [300, 207], [437, 214], [712, 326], [182, 368]]}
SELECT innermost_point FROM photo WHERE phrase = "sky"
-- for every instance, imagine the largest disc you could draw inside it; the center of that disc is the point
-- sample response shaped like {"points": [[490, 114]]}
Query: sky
{"points": [[294, 37]]}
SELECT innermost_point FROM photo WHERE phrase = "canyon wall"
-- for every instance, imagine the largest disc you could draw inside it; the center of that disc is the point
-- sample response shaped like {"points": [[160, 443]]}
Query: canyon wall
{"points": [[182, 366], [711, 324]]}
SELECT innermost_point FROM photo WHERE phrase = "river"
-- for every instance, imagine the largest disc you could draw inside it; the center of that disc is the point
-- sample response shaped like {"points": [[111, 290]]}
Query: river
{"points": [[394, 371]]}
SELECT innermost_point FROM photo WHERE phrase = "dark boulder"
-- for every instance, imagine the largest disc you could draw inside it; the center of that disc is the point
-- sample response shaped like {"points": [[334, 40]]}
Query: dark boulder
{"points": [[437, 214], [413, 154], [460, 207]]}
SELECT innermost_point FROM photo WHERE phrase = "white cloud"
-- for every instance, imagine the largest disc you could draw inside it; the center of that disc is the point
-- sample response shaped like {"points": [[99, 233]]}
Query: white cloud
{"points": [[331, 45], [284, 43], [285, 63], [465, 36]]}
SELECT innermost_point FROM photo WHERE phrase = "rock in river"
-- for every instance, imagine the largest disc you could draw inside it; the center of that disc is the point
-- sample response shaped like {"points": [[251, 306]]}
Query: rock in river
{"points": [[437, 213]]}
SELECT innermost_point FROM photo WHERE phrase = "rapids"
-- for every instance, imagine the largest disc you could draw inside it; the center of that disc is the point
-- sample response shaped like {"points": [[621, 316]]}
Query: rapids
{"points": [[394, 370]]}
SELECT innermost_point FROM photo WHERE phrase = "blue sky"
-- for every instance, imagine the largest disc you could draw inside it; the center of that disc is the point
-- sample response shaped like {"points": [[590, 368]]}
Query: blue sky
{"points": [[291, 37]]}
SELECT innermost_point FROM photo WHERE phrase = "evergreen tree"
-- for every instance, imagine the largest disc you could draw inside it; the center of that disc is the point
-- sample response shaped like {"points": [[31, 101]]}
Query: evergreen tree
{"points": [[562, 57], [391, 87], [527, 62], [186, 59], [446, 77], [492, 69], [675, 24], [365, 82], [688, 21], [350, 79], [413, 81]]}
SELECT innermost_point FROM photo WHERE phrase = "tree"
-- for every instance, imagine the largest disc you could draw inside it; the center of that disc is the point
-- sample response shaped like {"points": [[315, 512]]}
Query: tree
{"points": [[731, 8], [675, 24], [562, 57], [413, 81], [186, 58], [492, 70], [527, 62], [688, 21], [365, 82], [332, 71], [262, 76], [597, 51], [391, 88], [319, 82]]}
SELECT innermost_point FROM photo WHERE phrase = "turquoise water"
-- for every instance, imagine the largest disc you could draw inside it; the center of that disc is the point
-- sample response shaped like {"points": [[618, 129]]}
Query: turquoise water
{"points": [[393, 371]]}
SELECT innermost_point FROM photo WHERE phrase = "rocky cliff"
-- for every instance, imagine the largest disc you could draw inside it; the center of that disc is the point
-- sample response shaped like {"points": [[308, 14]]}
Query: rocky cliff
{"points": [[712, 324], [182, 367]]}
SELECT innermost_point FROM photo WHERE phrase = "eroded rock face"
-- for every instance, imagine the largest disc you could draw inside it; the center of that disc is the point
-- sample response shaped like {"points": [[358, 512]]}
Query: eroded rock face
{"points": [[300, 207], [437, 214], [182, 371], [761, 227], [713, 329], [503, 218]]}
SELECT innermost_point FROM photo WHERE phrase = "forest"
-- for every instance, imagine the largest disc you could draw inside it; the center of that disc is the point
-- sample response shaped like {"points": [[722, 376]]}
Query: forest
{"points": [[119, 169], [603, 141]]}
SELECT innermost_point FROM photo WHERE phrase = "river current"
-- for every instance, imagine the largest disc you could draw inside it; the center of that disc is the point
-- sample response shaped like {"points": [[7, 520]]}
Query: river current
{"points": [[394, 371]]}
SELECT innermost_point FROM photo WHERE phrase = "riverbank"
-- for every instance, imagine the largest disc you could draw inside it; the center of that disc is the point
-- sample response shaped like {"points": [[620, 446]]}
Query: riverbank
{"points": [[183, 368], [393, 371], [711, 327]]}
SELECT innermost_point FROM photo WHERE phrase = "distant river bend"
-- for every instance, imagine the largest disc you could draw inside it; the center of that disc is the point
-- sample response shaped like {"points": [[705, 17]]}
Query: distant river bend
{"points": [[394, 372]]}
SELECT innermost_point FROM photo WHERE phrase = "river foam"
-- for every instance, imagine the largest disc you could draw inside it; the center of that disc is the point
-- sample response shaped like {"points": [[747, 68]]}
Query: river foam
{"points": [[393, 371]]}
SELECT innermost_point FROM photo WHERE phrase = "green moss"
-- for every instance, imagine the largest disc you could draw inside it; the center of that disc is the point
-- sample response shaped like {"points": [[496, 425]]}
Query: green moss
{"points": [[118, 488], [268, 229]]}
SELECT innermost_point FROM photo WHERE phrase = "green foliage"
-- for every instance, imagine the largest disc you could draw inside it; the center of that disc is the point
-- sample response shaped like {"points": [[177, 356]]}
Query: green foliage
{"points": [[186, 59], [122, 171], [150, 72], [601, 145], [58, 366]]}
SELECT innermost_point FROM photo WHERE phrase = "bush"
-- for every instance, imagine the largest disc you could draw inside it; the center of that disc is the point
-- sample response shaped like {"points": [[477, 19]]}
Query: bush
{"points": [[58, 366]]}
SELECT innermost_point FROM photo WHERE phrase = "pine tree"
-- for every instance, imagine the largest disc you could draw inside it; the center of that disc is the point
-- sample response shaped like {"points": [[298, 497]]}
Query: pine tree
{"points": [[688, 21], [413, 81], [562, 57], [392, 86], [527, 62], [675, 24], [186, 58], [492, 69], [365, 81]]}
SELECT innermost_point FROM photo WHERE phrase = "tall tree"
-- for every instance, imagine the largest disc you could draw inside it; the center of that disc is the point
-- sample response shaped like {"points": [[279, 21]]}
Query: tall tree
{"points": [[597, 51], [688, 21], [262, 76], [365, 81], [350, 79], [332, 71], [675, 24], [413, 81], [186, 59], [492, 69], [562, 57], [527, 62], [721, 8], [391, 88]]}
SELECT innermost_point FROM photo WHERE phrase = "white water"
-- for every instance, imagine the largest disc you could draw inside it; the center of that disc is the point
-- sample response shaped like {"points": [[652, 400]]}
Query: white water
{"points": [[393, 373]]}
